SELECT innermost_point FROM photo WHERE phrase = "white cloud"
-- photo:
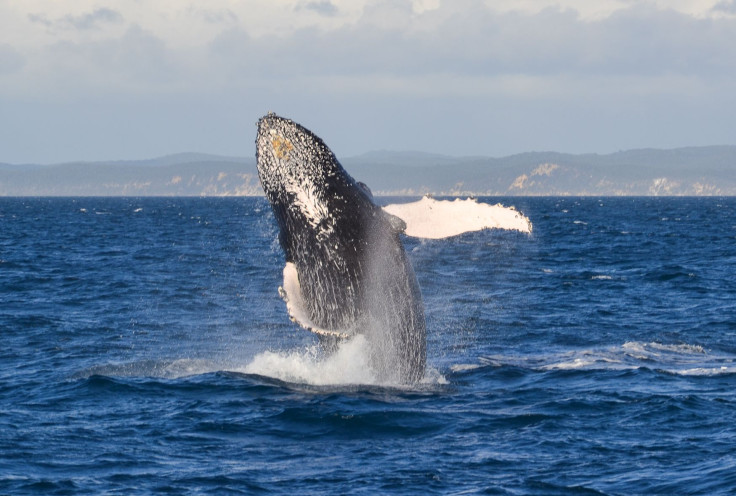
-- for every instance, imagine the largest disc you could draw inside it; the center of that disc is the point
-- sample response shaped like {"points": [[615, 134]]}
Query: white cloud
{"points": [[640, 41]]}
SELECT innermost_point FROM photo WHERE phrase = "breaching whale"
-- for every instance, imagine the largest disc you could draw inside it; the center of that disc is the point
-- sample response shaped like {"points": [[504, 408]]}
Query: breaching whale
{"points": [[346, 273]]}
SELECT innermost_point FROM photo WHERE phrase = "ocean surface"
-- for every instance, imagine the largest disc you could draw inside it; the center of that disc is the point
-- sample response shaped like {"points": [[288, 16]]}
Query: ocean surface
{"points": [[145, 350]]}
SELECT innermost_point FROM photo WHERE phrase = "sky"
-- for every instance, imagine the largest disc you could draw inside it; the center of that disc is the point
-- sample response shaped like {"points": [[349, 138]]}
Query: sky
{"points": [[134, 79]]}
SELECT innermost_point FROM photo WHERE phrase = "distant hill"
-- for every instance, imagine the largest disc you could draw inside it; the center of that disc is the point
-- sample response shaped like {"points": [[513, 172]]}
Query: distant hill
{"points": [[684, 171], [184, 174]]}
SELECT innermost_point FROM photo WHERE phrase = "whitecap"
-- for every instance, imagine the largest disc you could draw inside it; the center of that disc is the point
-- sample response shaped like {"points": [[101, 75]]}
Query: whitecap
{"points": [[679, 359], [654, 348], [463, 367], [704, 371]]}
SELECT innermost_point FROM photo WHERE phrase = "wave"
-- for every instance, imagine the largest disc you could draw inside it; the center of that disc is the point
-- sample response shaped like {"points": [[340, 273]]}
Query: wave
{"points": [[161, 369], [676, 359]]}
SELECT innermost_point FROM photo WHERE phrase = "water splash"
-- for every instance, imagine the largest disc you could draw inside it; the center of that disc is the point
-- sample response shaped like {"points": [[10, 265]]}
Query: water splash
{"points": [[347, 365], [350, 364]]}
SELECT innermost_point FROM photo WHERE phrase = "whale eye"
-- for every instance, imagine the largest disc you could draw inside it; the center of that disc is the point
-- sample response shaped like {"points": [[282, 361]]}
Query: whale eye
{"points": [[281, 147]]}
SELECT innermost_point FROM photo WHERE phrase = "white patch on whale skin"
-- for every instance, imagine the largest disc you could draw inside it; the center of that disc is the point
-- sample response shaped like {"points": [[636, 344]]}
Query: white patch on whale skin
{"points": [[291, 293], [436, 219], [307, 200]]}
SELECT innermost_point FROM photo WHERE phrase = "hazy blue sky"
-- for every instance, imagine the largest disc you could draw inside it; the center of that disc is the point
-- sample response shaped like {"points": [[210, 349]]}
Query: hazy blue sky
{"points": [[126, 79]]}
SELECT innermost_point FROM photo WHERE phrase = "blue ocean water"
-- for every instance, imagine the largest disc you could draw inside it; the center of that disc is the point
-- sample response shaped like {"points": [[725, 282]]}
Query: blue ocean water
{"points": [[145, 350]]}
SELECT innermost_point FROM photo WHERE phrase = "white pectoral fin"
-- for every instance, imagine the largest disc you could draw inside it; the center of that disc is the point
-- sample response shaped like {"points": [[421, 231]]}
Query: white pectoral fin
{"points": [[436, 219], [291, 293]]}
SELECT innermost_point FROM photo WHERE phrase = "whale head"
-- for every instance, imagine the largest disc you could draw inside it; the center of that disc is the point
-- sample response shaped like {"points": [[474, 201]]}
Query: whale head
{"points": [[301, 177]]}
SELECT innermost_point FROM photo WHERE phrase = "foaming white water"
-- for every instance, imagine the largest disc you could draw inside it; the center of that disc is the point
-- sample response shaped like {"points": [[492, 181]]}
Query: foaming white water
{"points": [[348, 365], [706, 371], [656, 349], [436, 219]]}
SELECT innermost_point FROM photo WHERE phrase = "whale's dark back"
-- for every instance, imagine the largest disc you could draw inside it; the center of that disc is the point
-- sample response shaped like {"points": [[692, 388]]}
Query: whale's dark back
{"points": [[353, 271]]}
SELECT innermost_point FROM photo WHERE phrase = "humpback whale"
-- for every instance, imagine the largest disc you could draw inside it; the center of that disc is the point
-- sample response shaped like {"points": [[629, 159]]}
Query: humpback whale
{"points": [[346, 273]]}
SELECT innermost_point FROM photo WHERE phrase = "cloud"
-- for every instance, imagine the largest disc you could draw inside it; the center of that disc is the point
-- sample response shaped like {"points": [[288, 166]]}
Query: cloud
{"points": [[217, 16], [725, 6], [135, 62], [390, 40], [324, 7], [463, 37], [391, 47], [92, 20]]}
